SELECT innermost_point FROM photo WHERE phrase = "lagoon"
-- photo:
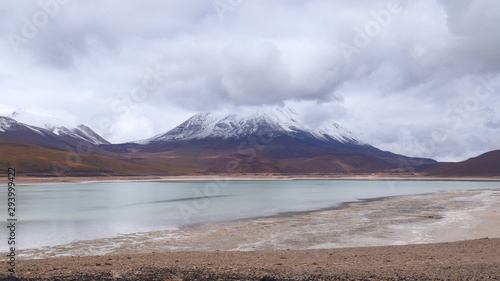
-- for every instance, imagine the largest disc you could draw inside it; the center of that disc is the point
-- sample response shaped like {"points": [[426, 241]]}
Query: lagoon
{"points": [[57, 214]]}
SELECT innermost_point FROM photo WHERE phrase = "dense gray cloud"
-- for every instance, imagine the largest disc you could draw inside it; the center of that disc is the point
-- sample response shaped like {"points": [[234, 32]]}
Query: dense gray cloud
{"points": [[415, 77]]}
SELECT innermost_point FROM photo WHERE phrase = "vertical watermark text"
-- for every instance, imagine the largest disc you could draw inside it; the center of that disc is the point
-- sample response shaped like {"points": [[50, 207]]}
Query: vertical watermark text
{"points": [[11, 221]]}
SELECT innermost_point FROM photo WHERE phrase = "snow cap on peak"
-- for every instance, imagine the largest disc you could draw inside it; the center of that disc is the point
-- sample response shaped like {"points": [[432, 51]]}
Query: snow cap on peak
{"points": [[277, 121], [44, 123], [41, 120]]}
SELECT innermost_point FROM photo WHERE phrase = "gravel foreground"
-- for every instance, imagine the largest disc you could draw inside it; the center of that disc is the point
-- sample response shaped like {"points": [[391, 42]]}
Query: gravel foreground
{"points": [[464, 260]]}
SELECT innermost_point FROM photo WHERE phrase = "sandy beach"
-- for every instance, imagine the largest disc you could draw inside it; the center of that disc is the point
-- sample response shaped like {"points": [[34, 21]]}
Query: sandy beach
{"points": [[466, 260], [402, 238]]}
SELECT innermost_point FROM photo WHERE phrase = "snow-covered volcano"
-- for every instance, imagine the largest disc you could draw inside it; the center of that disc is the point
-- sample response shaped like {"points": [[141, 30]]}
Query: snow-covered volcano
{"points": [[274, 122]]}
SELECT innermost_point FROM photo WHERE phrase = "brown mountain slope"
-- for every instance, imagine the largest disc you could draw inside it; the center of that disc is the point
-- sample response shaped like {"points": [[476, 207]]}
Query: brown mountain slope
{"points": [[286, 155], [484, 165], [33, 160], [261, 143]]}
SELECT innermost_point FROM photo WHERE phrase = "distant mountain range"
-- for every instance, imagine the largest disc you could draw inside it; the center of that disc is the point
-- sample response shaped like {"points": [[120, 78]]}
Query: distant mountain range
{"points": [[24, 126], [484, 165], [54, 137], [264, 142]]}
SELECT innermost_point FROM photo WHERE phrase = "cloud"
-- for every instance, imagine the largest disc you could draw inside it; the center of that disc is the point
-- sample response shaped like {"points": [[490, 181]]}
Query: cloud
{"points": [[255, 74], [126, 126], [414, 67]]}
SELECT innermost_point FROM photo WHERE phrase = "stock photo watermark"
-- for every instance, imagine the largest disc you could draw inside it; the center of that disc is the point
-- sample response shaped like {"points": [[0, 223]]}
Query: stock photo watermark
{"points": [[73, 158], [12, 220], [201, 200], [154, 76], [224, 6], [152, 79], [32, 25], [454, 119], [364, 36]]}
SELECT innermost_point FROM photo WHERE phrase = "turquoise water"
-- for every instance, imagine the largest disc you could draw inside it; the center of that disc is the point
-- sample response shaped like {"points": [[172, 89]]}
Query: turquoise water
{"points": [[55, 214]]}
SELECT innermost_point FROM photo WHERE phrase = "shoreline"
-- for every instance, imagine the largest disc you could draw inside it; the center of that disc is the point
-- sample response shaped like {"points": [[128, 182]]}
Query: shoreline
{"points": [[450, 235], [462, 260], [383, 221], [239, 177]]}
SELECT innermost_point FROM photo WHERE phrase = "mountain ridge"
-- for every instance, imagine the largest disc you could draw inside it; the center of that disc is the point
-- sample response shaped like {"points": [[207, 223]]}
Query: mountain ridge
{"points": [[485, 165], [10, 128], [206, 144], [43, 127]]}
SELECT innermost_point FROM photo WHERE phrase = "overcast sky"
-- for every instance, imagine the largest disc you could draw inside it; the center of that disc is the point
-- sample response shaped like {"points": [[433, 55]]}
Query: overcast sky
{"points": [[420, 78]]}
